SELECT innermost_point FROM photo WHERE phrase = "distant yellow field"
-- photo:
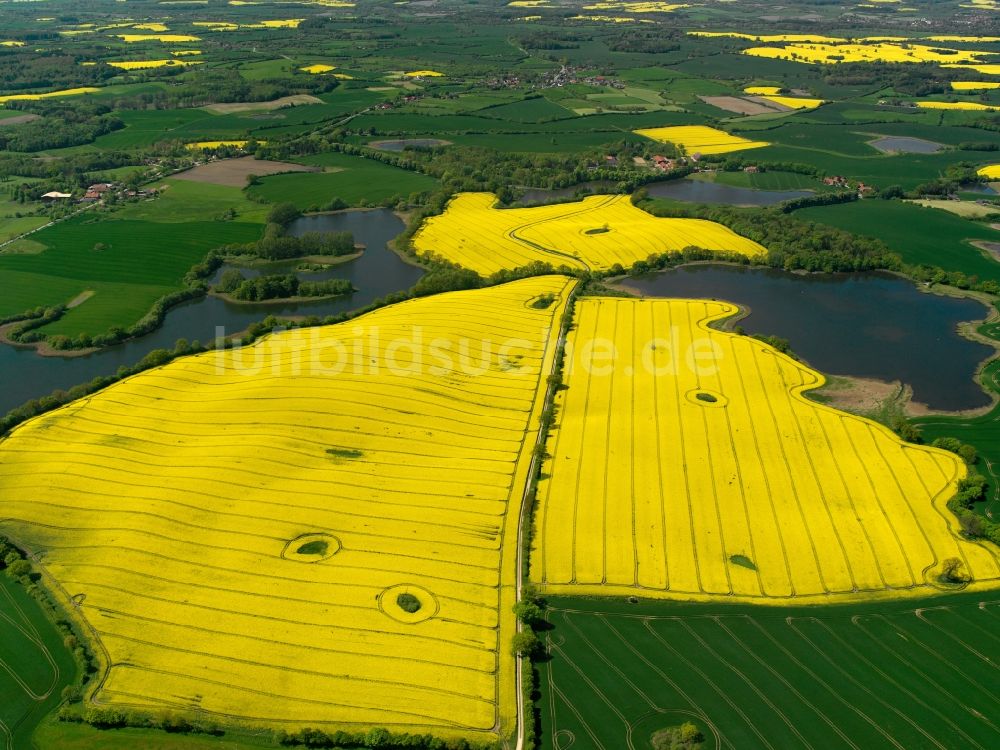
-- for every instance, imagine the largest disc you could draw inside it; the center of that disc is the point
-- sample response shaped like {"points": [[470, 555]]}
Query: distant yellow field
{"points": [[144, 64], [991, 171], [185, 52], [690, 465], [604, 19], [423, 74], [700, 139], [636, 7], [956, 105], [318, 68], [969, 39], [152, 26], [989, 70], [597, 233], [11, 43], [166, 38], [872, 52], [236, 527], [974, 85], [771, 94], [216, 144], [769, 38], [49, 95]]}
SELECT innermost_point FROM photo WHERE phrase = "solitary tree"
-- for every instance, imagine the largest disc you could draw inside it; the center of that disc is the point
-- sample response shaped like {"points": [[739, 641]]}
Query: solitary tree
{"points": [[952, 571]]}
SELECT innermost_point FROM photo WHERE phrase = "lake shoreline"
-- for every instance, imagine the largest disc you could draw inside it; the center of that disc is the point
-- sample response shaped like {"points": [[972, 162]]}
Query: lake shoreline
{"points": [[853, 392]]}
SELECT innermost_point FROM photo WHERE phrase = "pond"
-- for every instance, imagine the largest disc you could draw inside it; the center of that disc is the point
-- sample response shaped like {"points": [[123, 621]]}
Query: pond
{"points": [[403, 143], [702, 191], [894, 144], [867, 325], [379, 271], [538, 196]]}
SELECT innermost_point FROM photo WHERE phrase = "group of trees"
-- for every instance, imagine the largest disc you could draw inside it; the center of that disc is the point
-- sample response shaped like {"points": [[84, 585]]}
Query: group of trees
{"points": [[278, 286], [202, 86], [26, 69], [276, 245], [61, 125], [794, 244], [378, 738]]}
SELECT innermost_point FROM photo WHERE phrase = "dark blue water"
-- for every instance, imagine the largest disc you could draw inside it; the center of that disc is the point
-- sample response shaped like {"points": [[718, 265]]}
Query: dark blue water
{"points": [[24, 375], [865, 325]]}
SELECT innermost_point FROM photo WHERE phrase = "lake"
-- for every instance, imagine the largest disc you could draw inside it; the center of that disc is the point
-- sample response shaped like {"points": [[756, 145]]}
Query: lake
{"points": [[379, 271], [868, 325], [702, 191], [538, 196]]}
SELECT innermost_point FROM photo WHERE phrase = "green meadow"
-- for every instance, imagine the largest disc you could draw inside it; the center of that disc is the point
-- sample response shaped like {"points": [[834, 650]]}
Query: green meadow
{"points": [[353, 179], [922, 236], [129, 258]]}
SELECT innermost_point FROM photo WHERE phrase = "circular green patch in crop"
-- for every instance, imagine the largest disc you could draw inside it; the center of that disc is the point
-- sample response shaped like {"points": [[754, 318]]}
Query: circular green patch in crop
{"points": [[542, 301], [408, 603], [649, 731], [311, 548], [704, 397]]}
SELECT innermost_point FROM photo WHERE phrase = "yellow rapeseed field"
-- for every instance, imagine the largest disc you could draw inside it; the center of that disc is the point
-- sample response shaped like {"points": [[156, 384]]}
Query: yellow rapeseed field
{"points": [[991, 171], [956, 105], [690, 465], [236, 527], [166, 38], [11, 43], [423, 74], [770, 93], [969, 39], [596, 233], [974, 85], [49, 95], [636, 7], [770, 38], [989, 70], [604, 19], [216, 144], [870, 52], [159, 28], [144, 64], [318, 68], [287, 23], [700, 139]]}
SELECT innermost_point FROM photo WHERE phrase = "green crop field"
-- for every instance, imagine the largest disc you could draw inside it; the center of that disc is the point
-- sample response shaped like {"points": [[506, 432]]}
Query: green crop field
{"points": [[130, 259], [920, 235], [353, 179], [34, 665], [776, 180], [903, 674]]}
